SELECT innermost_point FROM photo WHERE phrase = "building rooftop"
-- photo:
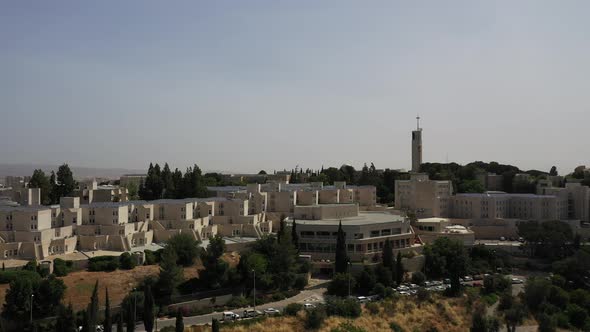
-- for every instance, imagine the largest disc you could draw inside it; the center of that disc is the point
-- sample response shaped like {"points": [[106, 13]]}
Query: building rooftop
{"points": [[363, 218], [502, 194]]}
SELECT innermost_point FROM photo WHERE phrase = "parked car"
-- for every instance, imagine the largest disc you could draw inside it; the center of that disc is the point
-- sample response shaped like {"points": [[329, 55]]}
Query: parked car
{"points": [[362, 299], [404, 293], [467, 278], [447, 281], [517, 281], [271, 311], [251, 313], [228, 315], [308, 306]]}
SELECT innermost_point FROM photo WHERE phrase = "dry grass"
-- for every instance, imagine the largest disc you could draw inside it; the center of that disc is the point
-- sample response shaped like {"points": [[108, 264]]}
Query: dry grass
{"points": [[120, 282], [449, 315]]}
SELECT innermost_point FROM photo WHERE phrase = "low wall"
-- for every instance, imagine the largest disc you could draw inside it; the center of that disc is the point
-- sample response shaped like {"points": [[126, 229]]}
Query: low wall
{"points": [[202, 303]]}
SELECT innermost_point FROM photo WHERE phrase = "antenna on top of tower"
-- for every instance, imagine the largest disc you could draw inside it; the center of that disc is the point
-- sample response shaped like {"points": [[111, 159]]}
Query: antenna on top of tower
{"points": [[418, 122]]}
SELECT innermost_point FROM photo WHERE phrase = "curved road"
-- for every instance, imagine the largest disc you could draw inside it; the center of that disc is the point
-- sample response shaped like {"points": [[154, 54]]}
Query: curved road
{"points": [[313, 294]]}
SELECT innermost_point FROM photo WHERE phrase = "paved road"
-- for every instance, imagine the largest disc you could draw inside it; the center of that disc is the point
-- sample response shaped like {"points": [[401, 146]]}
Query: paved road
{"points": [[314, 294]]}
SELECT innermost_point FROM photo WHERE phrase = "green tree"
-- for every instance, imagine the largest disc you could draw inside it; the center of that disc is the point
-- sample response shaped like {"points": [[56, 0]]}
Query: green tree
{"points": [[41, 181], [214, 325], [536, 291], [170, 277], [514, 317], [65, 182], [130, 314], [17, 302], [341, 283], [553, 171], [341, 260], [215, 273], [262, 172], [577, 315], [186, 248], [399, 269], [387, 256], [366, 280], [108, 321], [148, 309], [546, 323], [315, 318], [48, 296], [120, 323], [179, 322], [294, 235], [66, 321], [93, 308], [169, 191]]}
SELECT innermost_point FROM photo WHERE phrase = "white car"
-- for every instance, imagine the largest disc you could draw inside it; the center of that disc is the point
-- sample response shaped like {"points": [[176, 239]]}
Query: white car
{"points": [[308, 306], [467, 278], [362, 299], [271, 311], [404, 293], [517, 281]]}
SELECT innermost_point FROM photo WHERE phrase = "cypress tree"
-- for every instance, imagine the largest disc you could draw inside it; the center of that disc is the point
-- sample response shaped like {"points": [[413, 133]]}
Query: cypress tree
{"points": [[341, 260], [214, 325], [387, 256], [120, 323], [148, 309], [179, 322], [65, 320], [108, 321], [93, 309], [130, 316], [294, 235], [399, 269]]}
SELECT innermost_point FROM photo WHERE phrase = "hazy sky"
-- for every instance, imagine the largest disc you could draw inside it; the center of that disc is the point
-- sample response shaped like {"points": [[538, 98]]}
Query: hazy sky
{"points": [[249, 85]]}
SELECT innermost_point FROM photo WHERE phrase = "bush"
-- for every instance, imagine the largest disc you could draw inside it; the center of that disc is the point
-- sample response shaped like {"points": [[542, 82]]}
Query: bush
{"points": [[395, 327], [237, 302], [7, 277], [418, 278], [577, 315], [61, 268], [562, 320], [315, 318], [489, 299], [300, 282], [127, 261], [373, 308], [341, 283], [293, 308], [151, 257], [546, 323], [423, 295], [103, 263], [347, 327], [343, 307]]}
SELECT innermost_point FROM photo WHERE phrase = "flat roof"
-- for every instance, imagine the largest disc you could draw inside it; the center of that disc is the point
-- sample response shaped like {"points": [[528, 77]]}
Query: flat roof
{"points": [[502, 194], [363, 218]]}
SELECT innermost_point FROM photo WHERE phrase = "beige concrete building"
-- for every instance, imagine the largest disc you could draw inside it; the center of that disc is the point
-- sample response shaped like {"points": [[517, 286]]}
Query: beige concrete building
{"points": [[366, 232], [27, 233], [500, 205], [576, 196], [430, 229], [428, 198], [91, 192]]}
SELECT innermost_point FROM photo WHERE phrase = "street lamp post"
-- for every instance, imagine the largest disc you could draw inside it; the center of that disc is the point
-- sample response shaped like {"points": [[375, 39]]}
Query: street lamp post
{"points": [[31, 311], [348, 279], [254, 281]]}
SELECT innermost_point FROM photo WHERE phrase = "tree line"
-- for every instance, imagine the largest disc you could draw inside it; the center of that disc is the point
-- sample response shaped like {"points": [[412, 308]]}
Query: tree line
{"points": [[54, 186]]}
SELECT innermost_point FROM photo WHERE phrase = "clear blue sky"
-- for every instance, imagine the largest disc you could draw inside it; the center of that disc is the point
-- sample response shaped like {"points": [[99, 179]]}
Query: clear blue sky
{"points": [[249, 85]]}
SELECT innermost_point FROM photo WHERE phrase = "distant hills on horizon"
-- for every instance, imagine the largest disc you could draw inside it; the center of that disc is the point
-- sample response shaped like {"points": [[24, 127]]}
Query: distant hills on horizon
{"points": [[79, 172]]}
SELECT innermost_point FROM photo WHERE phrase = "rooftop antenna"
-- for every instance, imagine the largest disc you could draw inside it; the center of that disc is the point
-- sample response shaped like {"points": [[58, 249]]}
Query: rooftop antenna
{"points": [[418, 122]]}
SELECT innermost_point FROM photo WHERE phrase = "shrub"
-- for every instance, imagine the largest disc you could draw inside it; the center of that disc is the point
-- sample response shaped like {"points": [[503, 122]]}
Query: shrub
{"points": [[395, 327], [293, 308], [151, 257], [343, 307], [315, 318], [340, 284], [127, 261], [103, 263], [373, 308], [418, 278], [238, 302], [423, 295], [347, 327], [562, 320], [546, 323], [577, 315], [61, 268], [300, 282]]}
